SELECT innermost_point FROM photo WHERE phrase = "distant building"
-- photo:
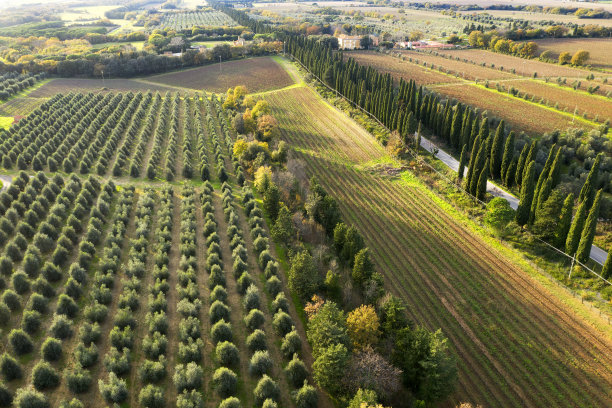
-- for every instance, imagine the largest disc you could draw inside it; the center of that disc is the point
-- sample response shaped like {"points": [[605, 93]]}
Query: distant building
{"points": [[424, 45], [239, 42], [374, 40], [349, 42]]}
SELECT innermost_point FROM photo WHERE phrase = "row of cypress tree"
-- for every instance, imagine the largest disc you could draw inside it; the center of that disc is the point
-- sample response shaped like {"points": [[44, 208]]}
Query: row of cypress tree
{"points": [[486, 153]]}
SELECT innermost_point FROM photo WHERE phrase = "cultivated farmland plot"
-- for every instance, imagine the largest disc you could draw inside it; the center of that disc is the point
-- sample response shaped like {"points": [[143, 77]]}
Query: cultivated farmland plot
{"points": [[257, 74], [520, 114], [143, 296], [183, 21], [518, 344]]}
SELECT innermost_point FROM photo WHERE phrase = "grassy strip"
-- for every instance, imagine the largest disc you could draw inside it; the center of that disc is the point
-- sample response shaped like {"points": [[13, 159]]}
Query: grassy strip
{"points": [[6, 122]]}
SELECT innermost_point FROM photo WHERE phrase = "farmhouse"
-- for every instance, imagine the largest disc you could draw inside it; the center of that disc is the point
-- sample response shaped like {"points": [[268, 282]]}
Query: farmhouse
{"points": [[349, 42]]}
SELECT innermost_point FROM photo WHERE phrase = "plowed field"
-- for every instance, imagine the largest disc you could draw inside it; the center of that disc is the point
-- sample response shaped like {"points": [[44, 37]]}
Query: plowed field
{"points": [[518, 344]]}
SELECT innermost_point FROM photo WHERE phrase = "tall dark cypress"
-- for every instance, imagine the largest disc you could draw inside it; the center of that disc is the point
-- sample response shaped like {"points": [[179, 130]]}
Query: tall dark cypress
{"points": [[472, 163], [456, 126], [565, 221], [575, 231], [508, 155], [481, 187], [497, 152], [524, 207], [541, 181], [478, 164], [531, 154], [587, 193], [588, 232], [518, 177], [510, 173]]}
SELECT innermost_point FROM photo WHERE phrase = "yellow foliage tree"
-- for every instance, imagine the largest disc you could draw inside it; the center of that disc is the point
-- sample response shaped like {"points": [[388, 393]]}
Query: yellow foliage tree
{"points": [[263, 177], [363, 324]]}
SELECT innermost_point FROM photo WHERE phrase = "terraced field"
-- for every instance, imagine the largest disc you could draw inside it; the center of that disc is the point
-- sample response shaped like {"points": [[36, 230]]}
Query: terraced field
{"points": [[518, 344]]}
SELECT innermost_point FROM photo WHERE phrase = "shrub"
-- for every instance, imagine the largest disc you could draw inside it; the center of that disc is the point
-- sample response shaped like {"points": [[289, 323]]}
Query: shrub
{"points": [[282, 323], [10, 368], [221, 331], [264, 259], [78, 379], [20, 342], [20, 282], [51, 272], [44, 376], [117, 361], [231, 402], [256, 341], [225, 382], [227, 353], [151, 396], [5, 313], [218, 311], [306, 397], [152, 371], [42, 286], [291, 344], [6, 397], [187, 376], [11, 300], [29, 398], [266, 389], [251, 298], [191, 350], [89, 332], [218, 293], [30, 322], [244, 282], [113, 390], [239, 267], [86, 355], [254, 319], [274, 286], [73, 403], [190, 399], [61, 327], [269, 404], [260, 363], [217, 277], [296, 371], [67, 306]]}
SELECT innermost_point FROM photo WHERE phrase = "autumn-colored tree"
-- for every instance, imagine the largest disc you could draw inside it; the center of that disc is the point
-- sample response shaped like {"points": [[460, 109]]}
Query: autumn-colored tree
{"points": [[266, 128], [363, 326], [312, 307], [565, 58], [580, 57], [369, 370]]}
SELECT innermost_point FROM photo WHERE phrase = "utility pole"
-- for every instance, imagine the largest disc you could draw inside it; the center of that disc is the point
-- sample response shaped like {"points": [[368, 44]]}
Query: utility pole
{"points": [[103, 79], [572, 267], [219, 63]]}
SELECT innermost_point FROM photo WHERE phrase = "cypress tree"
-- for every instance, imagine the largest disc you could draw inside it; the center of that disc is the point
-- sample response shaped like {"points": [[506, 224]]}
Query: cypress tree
{"points": [[462, 160], [587, 193], [478, 164], [472, 163], [530, 155], [527, 191], [448, 123], [418, 137], [575, 231], [483, 132], [541, 179], [565, 221], [466, 130], [474, 134], [456, 126], [606, 271], [588, 233], [510, 173], [518, 177], [496, 151], [508, 155], [481, 190], [545, 191], [555, 171]]}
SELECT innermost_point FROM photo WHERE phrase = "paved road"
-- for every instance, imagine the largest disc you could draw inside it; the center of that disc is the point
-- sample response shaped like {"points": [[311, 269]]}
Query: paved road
{"points": [[597, 254]]}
